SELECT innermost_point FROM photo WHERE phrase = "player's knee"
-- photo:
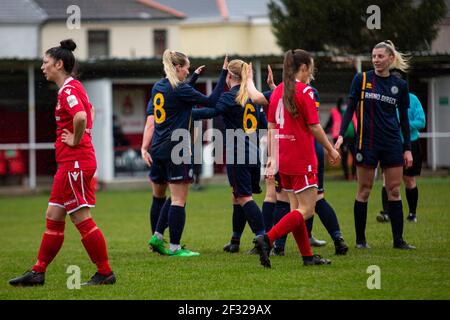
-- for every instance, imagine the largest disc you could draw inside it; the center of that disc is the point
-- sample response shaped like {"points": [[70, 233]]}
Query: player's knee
{"points": [[394, 193], [307, 214], [55, 213], [364, 192], [410, 182]]}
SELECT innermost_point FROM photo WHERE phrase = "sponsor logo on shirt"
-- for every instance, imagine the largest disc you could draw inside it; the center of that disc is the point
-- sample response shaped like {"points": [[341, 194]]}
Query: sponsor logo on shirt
{"points": [[359, 157], [368, 85], [57, 118], [394, 90], [67, 91], [379, 97], [311, 94], [72, 101], [285, 136]]}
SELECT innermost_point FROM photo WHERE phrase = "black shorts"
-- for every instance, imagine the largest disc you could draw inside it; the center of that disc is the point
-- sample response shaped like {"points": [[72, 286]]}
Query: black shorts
{"points": [[165, 171], [244, 180], [370, 157], [417, 160]]}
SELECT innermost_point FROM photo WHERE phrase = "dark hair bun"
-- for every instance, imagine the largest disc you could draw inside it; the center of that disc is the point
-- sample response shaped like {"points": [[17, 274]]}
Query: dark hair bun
{"points": [[68, 44]]}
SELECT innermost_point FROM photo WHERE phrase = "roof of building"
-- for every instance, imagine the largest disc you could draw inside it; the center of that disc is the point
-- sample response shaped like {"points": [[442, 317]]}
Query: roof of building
{"points": [[219, 10], [108, 9], [21, 11]]}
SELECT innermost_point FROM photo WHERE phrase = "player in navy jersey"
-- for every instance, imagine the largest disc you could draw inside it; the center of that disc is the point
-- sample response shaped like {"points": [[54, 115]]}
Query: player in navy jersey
{"points": [[159, 189], [375, 96], [416, 122], [242, 118], [326, 213], [171, 104]]}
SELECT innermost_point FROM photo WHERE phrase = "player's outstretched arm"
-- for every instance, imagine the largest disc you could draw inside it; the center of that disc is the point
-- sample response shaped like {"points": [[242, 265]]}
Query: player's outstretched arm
{"points": [[253, 93]]}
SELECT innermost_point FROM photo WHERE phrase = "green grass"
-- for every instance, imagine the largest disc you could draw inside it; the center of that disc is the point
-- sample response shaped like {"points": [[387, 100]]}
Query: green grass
{"points": [[123, 218]]}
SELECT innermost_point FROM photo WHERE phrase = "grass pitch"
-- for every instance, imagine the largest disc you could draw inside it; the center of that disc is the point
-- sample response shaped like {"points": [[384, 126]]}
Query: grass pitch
{"points": [[124, 219]]}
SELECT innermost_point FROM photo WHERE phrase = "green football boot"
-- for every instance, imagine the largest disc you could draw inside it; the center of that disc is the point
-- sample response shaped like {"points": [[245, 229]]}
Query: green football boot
{"points": [[158, 245], [183, 253]]}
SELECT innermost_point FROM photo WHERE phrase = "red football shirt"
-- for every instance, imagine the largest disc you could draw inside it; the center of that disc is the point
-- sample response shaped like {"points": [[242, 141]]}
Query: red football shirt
{"points": [[72, 98], [297, 155]]}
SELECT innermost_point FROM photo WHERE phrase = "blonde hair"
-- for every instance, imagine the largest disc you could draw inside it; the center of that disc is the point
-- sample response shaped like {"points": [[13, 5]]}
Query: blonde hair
{"points": [[170, 60], [401, 60], [238, 70]]}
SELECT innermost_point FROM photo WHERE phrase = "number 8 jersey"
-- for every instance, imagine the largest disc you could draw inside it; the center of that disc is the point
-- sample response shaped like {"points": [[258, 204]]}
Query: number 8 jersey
{"points": [[172, 109], [297, 155]]}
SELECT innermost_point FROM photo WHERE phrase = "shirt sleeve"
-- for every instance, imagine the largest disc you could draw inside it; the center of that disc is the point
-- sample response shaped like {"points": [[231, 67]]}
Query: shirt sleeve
{"points": [[355, 89], [403, 105], [267, 94], [272, 109], [306, 105], [418, 120], [150, 111], [193, 79], [204, 113], [353, 98], [72, 102], [191, 96]]}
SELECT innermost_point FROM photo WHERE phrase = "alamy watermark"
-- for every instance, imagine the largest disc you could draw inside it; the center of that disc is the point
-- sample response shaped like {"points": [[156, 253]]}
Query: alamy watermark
{"points": [[74, 280], [74, 19], [374, 280], [233, 146], [373, 22]]}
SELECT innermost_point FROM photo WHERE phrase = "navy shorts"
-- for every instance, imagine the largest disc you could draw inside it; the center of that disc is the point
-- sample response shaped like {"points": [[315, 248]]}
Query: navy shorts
{"points": [[163, 171], [416, 168], [244, 180], [370, 157], [320, 166]]}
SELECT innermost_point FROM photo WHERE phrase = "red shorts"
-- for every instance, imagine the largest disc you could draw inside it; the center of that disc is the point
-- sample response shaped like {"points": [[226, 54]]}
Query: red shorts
{"points": [[298, 183], [73, 189]]}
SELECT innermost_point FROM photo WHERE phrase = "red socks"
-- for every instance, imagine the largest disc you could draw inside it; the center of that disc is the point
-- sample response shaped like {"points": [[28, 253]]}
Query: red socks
{"points": [[52, 241], [95, 244], [292, 222]]}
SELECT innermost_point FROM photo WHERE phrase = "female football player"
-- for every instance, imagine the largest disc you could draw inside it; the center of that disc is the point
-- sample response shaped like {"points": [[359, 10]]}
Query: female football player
{"points": [[72, 192], [378, 95]]}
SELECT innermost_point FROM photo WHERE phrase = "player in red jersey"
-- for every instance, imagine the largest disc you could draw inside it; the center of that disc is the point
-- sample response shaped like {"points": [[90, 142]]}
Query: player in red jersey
{"points": [[293, 124], [72, 191]]}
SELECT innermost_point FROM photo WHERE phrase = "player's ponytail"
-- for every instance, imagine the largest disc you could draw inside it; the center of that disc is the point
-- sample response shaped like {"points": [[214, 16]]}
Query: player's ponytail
{"points": [[293, 60], [170, 60], [238, 70], [401, 60]]}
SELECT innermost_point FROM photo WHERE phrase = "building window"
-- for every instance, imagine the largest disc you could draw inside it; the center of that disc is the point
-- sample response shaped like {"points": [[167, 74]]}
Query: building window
{"points": [[98, 43], [159, 41]]}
